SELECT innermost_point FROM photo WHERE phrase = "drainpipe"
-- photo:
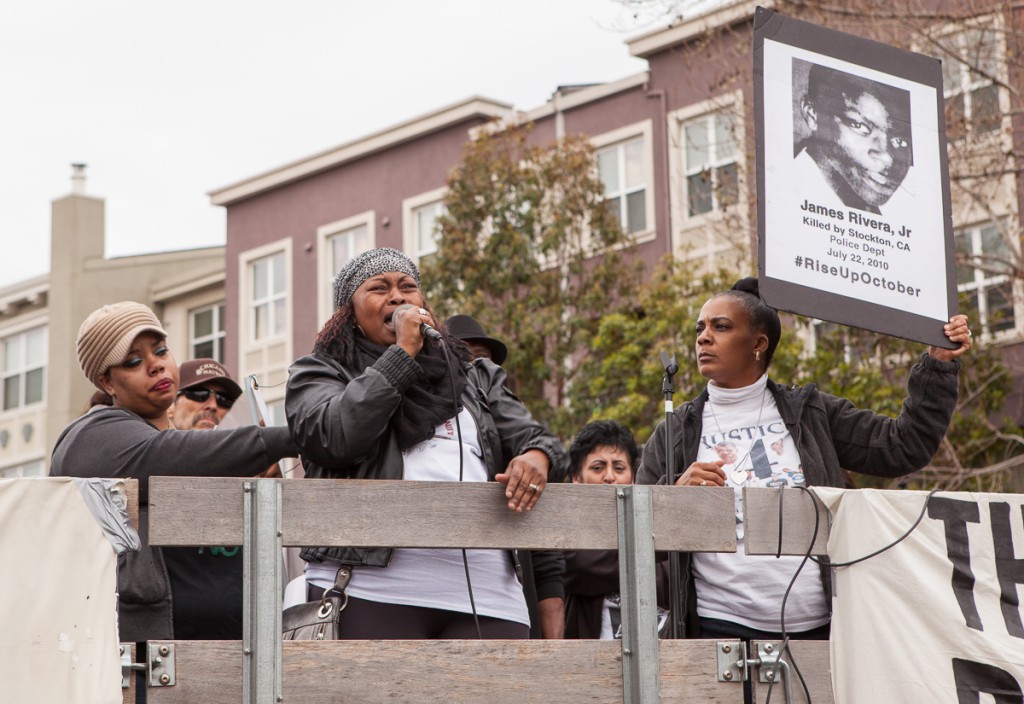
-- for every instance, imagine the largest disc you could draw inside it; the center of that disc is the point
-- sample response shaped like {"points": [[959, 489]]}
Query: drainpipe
{"points": [[667, 200]]}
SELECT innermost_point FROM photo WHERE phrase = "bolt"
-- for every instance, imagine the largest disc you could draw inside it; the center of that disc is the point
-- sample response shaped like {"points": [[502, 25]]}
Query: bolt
{"points": [[726, 648], [768, 648], [621, 494], [247, 651], [247, 489], [727, 676], [165, 649], [122, 650], [165, 678], [157, 660], [770, 676], [627, 652]]}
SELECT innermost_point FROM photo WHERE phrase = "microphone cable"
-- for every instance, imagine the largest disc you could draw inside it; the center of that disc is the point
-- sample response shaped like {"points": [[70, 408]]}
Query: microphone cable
{"points": [[458, 432], [813, 558]]}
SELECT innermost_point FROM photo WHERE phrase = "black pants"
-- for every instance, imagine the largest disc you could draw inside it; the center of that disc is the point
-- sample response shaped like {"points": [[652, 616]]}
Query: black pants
{"points": [[373, 620]]}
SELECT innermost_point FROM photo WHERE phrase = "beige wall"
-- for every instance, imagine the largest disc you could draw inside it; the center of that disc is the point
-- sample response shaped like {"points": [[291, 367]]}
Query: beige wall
{"points": [[80, 281]]}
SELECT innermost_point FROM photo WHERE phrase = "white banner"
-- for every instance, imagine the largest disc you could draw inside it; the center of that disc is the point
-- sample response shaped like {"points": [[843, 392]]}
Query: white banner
{"points": [[58, 615], [937, 618]]}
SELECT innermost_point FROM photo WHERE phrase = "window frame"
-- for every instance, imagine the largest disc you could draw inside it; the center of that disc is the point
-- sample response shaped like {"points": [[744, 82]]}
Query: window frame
{"points": [[618, 138], [325, 234], [699, 237], [985, 280], [246, 299], [22, 333], [715, 162], [953, 44], [410, 230], [217, 337]]}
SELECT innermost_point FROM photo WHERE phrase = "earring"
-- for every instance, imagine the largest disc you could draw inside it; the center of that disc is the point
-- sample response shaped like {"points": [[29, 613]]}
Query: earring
{"points": [[757, 355]]}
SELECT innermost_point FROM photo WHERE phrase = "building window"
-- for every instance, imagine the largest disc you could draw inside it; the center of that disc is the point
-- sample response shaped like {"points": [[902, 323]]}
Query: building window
{"points": [[425, 233], [347, 244], [206, 330], [622, 171], [972, 98], [984, 273], [24, 366], [710, 159], [269, 297], [19, 471]]}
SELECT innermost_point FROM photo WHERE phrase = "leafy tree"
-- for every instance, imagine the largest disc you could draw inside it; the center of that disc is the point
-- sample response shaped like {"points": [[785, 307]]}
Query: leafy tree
{"points": [[528, 247], [624, 372], [981, 45]]}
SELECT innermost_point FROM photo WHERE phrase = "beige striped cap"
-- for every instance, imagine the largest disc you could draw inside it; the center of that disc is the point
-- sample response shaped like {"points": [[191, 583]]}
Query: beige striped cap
{"points": [[105, 337]]}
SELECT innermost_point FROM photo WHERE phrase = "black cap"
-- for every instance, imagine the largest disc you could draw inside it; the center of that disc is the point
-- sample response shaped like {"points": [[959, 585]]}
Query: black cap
{"points": [[466, 328]]}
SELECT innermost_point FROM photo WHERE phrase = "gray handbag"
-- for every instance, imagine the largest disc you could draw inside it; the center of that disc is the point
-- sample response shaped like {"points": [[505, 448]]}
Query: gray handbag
{"points": [[318, 620]]}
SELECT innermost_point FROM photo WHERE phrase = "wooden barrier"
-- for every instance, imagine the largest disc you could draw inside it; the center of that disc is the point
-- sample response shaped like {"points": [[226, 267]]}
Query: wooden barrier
{"points": [[224, 511]]}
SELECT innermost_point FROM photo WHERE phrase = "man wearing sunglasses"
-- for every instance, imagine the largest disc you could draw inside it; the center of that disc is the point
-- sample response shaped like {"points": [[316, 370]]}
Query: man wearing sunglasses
{"points": [[206, 582], [206, 393]]}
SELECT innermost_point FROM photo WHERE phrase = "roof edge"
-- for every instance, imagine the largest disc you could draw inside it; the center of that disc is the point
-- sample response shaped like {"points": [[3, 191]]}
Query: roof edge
{"points": [[645, 45], [413, 128]]}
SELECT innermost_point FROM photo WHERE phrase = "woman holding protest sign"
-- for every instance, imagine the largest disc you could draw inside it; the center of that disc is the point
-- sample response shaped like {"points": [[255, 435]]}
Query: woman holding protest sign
{"points": [[785, 436]]}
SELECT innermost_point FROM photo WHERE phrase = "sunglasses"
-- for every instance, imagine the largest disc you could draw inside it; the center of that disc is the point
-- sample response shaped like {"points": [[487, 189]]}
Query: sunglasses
{"points": [[201, 395]]}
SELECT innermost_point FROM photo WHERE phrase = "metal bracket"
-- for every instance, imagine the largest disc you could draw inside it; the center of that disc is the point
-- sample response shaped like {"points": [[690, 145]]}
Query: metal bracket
{"points": [[732, 661], [769, 656], [127, 666], [160, 661]]}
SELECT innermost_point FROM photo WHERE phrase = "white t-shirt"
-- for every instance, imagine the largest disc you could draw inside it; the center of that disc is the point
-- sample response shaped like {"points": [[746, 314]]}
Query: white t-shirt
{"points": [[744, 428], [436, 578]]}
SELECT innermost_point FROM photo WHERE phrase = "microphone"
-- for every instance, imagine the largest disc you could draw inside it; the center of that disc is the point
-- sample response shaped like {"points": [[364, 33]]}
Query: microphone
{"points": [[425, 330]]}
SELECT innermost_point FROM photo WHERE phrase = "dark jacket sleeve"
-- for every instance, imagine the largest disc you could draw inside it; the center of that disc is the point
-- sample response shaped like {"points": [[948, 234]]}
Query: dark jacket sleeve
{"points": [[115, 442], [338, 421], [548, 574], [875, 444], [517, 428]]}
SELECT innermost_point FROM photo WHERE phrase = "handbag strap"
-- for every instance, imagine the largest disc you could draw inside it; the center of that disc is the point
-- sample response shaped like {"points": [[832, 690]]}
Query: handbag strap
{"points": [[341, 579]]}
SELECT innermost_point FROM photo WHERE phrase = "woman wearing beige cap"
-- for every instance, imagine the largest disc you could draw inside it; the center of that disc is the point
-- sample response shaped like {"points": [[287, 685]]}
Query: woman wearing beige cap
{"points": [[122, 351]]}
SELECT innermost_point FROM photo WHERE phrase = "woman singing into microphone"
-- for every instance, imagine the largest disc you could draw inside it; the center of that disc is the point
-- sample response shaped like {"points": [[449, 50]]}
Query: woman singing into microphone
{"points": [[375, 401], [745, 429]]}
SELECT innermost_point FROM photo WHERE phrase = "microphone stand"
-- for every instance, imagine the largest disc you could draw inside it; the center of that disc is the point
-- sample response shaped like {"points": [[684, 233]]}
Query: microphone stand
{"points": [[674, 578]]}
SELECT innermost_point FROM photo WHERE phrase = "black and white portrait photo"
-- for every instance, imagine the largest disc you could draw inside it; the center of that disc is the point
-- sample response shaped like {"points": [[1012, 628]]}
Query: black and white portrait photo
{"points": [[855, 130], [853, 191]]}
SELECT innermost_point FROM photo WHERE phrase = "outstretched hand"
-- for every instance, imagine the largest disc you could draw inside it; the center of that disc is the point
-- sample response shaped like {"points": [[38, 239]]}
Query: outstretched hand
{"points": [[956, 330]]}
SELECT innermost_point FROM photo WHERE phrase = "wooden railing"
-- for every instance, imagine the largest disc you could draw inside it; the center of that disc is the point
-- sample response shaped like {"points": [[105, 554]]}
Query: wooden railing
{"points": [[264, 515]]}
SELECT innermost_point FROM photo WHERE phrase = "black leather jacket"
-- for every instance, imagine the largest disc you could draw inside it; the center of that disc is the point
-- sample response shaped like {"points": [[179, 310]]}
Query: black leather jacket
{"points": [[340, 419], [831, 434]]}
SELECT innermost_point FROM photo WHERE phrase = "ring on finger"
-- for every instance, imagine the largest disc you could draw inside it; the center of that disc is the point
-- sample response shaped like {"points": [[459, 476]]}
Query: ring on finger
{"points": [[533, 487], [423, 311], [703, 482]]}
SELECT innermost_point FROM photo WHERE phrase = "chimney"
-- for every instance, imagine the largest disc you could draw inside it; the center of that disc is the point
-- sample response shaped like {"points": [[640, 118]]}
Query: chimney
{"points": [[78, 179]]}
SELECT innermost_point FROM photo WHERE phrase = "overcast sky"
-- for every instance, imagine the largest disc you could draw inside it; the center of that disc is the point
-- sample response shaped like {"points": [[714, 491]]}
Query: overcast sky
{"points": [[168, 101]]}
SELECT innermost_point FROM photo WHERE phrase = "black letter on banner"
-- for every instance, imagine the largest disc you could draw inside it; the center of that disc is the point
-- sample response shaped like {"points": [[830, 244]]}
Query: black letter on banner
{"points": [[1009, 569], [973, 678], [956, 515]]}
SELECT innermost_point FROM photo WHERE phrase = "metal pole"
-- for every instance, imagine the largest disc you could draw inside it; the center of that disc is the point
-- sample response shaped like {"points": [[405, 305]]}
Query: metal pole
{"points": [[674, 573], [639, 595], [261, 633]]}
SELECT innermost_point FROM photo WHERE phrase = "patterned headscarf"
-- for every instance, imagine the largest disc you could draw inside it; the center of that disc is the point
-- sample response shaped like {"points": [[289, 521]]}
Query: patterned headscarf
{"points": [[360, 268]]}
